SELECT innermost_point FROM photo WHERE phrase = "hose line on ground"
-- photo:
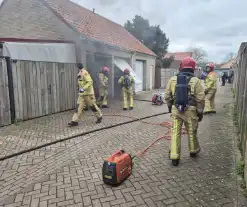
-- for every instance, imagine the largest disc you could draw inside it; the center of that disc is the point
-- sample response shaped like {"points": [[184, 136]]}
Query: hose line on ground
{"points": [[134, 119]]}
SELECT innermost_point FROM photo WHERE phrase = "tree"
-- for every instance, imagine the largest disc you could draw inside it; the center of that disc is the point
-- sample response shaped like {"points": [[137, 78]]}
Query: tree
{"points": [[199, 55], [151, 36], [167, 61]]}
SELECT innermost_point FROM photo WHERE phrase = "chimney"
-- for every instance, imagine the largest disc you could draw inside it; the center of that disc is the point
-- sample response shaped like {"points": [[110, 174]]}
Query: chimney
{"points": [[93, 10]]}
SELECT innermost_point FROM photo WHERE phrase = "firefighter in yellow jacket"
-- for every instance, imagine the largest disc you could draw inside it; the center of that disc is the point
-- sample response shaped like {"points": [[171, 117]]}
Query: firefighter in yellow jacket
{"points": [[127, 83], [185, 98], [210, 90], [103, 87], [85, 97]]}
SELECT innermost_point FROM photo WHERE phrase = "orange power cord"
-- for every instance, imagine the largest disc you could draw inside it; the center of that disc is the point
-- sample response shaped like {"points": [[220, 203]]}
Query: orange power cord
{"points": [[166, 124]]}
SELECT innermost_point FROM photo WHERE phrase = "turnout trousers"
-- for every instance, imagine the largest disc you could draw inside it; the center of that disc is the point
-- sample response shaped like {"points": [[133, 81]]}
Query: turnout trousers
{"points": [[87, 100], [190, 120], [210, 101]]}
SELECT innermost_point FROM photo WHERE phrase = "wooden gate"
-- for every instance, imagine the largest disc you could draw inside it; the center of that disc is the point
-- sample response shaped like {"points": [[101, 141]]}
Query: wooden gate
{"points": [[43, 88], [5, 116]]}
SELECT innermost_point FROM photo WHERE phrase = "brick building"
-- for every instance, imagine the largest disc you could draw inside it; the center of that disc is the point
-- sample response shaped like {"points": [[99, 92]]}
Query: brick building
{"points": [[99, 41]]}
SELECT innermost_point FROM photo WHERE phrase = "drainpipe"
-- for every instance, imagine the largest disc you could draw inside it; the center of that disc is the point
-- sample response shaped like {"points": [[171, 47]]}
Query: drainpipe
{"points": [[133, 54], [154, 75], [11, 89]]}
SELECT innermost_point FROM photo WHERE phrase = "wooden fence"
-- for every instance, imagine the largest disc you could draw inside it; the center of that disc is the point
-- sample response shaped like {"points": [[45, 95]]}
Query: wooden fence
{"points": [[40, 88], [167, 73], [240, 91], [5, 117]]}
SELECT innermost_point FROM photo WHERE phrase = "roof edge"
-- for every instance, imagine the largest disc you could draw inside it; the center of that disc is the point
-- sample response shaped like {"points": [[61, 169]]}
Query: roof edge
{"points": [[7, 39], [141, 53], [140, 43]]}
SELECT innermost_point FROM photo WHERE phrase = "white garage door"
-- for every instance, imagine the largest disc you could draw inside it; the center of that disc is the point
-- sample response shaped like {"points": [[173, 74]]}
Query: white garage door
{"points": [[139, 72]]}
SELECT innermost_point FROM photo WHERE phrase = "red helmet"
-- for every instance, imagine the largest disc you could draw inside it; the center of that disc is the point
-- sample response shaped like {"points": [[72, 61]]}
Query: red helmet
{"points": [[210, 66], [126, 70], [187, 62], [105, 69]]}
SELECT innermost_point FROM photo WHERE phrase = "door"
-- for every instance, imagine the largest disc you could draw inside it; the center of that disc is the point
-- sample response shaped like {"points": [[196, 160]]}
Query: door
{"points": [[139, 65]]}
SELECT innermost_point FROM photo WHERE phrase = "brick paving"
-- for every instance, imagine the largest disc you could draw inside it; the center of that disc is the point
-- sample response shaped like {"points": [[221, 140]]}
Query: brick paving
{"points": [[44, 130], [69, 173], [50, 128]]}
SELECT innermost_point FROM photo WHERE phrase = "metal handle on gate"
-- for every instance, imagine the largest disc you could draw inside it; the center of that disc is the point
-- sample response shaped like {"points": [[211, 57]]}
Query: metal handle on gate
{"points": [[49, 89]]}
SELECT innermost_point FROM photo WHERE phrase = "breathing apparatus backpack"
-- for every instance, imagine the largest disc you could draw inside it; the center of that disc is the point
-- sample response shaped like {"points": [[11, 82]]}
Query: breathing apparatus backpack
{"points": [[126, 81], [182, 91]]}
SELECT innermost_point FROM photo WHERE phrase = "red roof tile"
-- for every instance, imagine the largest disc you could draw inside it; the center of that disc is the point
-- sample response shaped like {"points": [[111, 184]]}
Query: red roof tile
{"points": [[229, 63], [97, 27], [179, 55]]}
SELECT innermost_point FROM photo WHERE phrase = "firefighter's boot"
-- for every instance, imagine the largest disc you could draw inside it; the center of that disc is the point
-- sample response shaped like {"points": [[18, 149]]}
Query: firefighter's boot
{"points": [[104, 106], [175, 162], [195, 153], [131, 108], [73, 123], [99, 120]]}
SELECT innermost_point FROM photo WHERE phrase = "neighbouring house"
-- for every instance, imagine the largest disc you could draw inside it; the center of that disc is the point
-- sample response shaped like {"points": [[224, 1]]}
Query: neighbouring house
{"points": [[163, 74], [226, 67], [178, 56], [42, 36]]}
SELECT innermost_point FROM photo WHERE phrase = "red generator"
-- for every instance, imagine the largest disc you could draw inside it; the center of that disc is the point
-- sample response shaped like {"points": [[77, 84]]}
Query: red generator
{"points": [[157, 98], [117, 168]]}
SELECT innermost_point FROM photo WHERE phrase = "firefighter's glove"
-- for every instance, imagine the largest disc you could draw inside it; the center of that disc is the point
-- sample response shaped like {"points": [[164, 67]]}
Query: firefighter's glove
{"points": [[206, 91], [170, 109], [81, 90], [200, 116]]}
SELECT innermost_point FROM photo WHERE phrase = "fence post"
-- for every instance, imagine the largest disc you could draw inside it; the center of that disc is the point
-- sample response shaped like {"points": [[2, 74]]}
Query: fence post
{"points": [[11, 89]]}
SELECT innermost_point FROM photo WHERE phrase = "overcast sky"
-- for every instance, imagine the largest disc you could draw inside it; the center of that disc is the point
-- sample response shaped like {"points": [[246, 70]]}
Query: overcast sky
{"points": [[219, 26]]}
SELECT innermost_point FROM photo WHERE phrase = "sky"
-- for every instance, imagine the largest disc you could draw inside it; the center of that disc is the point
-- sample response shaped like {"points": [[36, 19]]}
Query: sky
{"points": [[219, 26]]}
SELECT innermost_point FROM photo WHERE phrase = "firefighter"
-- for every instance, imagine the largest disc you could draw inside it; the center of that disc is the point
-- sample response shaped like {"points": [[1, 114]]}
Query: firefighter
{"points": [[103, 87], [127, 83], [190, 95], [223, 78], [210, 90], [85, 97]]}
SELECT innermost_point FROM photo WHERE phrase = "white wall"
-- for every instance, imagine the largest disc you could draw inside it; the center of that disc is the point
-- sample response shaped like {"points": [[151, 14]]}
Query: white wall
{"points": [[149, 62]]}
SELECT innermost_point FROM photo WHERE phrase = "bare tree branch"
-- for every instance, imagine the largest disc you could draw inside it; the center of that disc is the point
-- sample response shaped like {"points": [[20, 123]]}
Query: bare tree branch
{"points": [[199, 54]]}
